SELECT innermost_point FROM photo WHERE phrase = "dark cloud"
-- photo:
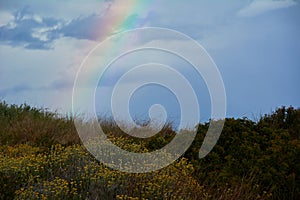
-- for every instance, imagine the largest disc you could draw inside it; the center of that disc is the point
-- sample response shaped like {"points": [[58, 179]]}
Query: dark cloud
{"points": [[54, 85], [15, 89], [21, 32], [62, 83], [39, 45], [35, 32], [97, 26], [83, 27]]}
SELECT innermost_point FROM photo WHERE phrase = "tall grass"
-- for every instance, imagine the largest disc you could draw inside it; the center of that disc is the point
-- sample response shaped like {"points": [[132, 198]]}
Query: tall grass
{"points": [[24, 124]]}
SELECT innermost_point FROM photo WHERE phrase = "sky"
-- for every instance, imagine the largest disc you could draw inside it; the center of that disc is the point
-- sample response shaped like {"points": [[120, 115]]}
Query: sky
{"points": [[255, 45]]}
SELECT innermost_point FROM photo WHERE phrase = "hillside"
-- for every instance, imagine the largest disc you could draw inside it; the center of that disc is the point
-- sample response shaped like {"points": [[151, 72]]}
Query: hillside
{"points": [[41, 157]]}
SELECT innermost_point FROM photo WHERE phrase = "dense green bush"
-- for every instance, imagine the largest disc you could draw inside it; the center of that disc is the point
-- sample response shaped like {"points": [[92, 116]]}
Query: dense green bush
{"points": [[265, 153]]}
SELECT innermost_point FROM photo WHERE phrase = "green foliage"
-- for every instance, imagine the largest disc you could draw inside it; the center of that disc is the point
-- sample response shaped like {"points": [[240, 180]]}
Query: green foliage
{"points": [[266, 154]]}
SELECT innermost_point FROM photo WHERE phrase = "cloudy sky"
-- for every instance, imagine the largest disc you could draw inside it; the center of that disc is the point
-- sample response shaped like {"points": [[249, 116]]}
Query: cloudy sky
{"points": [[255, 45]]}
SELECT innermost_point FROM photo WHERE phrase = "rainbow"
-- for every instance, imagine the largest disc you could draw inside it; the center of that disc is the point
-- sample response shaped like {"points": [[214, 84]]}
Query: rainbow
{"points": [[120, 16]]}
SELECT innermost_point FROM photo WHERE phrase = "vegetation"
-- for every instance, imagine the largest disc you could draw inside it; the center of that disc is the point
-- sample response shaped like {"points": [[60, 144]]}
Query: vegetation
{"points": [[253, 159], [41, 157]]}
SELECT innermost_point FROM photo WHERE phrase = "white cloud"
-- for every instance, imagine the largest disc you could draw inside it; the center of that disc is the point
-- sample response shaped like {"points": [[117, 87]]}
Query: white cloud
{"points": [[38, 19], [5, 18], [40, 34], [258, 7]]}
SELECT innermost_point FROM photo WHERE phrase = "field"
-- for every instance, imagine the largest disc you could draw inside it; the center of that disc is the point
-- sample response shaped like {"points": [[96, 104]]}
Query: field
{"points": [[41, 157]]}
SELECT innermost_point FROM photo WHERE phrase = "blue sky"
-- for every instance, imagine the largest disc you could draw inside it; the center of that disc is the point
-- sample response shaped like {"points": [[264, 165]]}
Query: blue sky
{"points": [[255, 45]]}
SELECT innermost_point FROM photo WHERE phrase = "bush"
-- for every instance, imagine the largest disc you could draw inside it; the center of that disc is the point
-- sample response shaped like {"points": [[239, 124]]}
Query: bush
{"points": [[266, 154]]}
